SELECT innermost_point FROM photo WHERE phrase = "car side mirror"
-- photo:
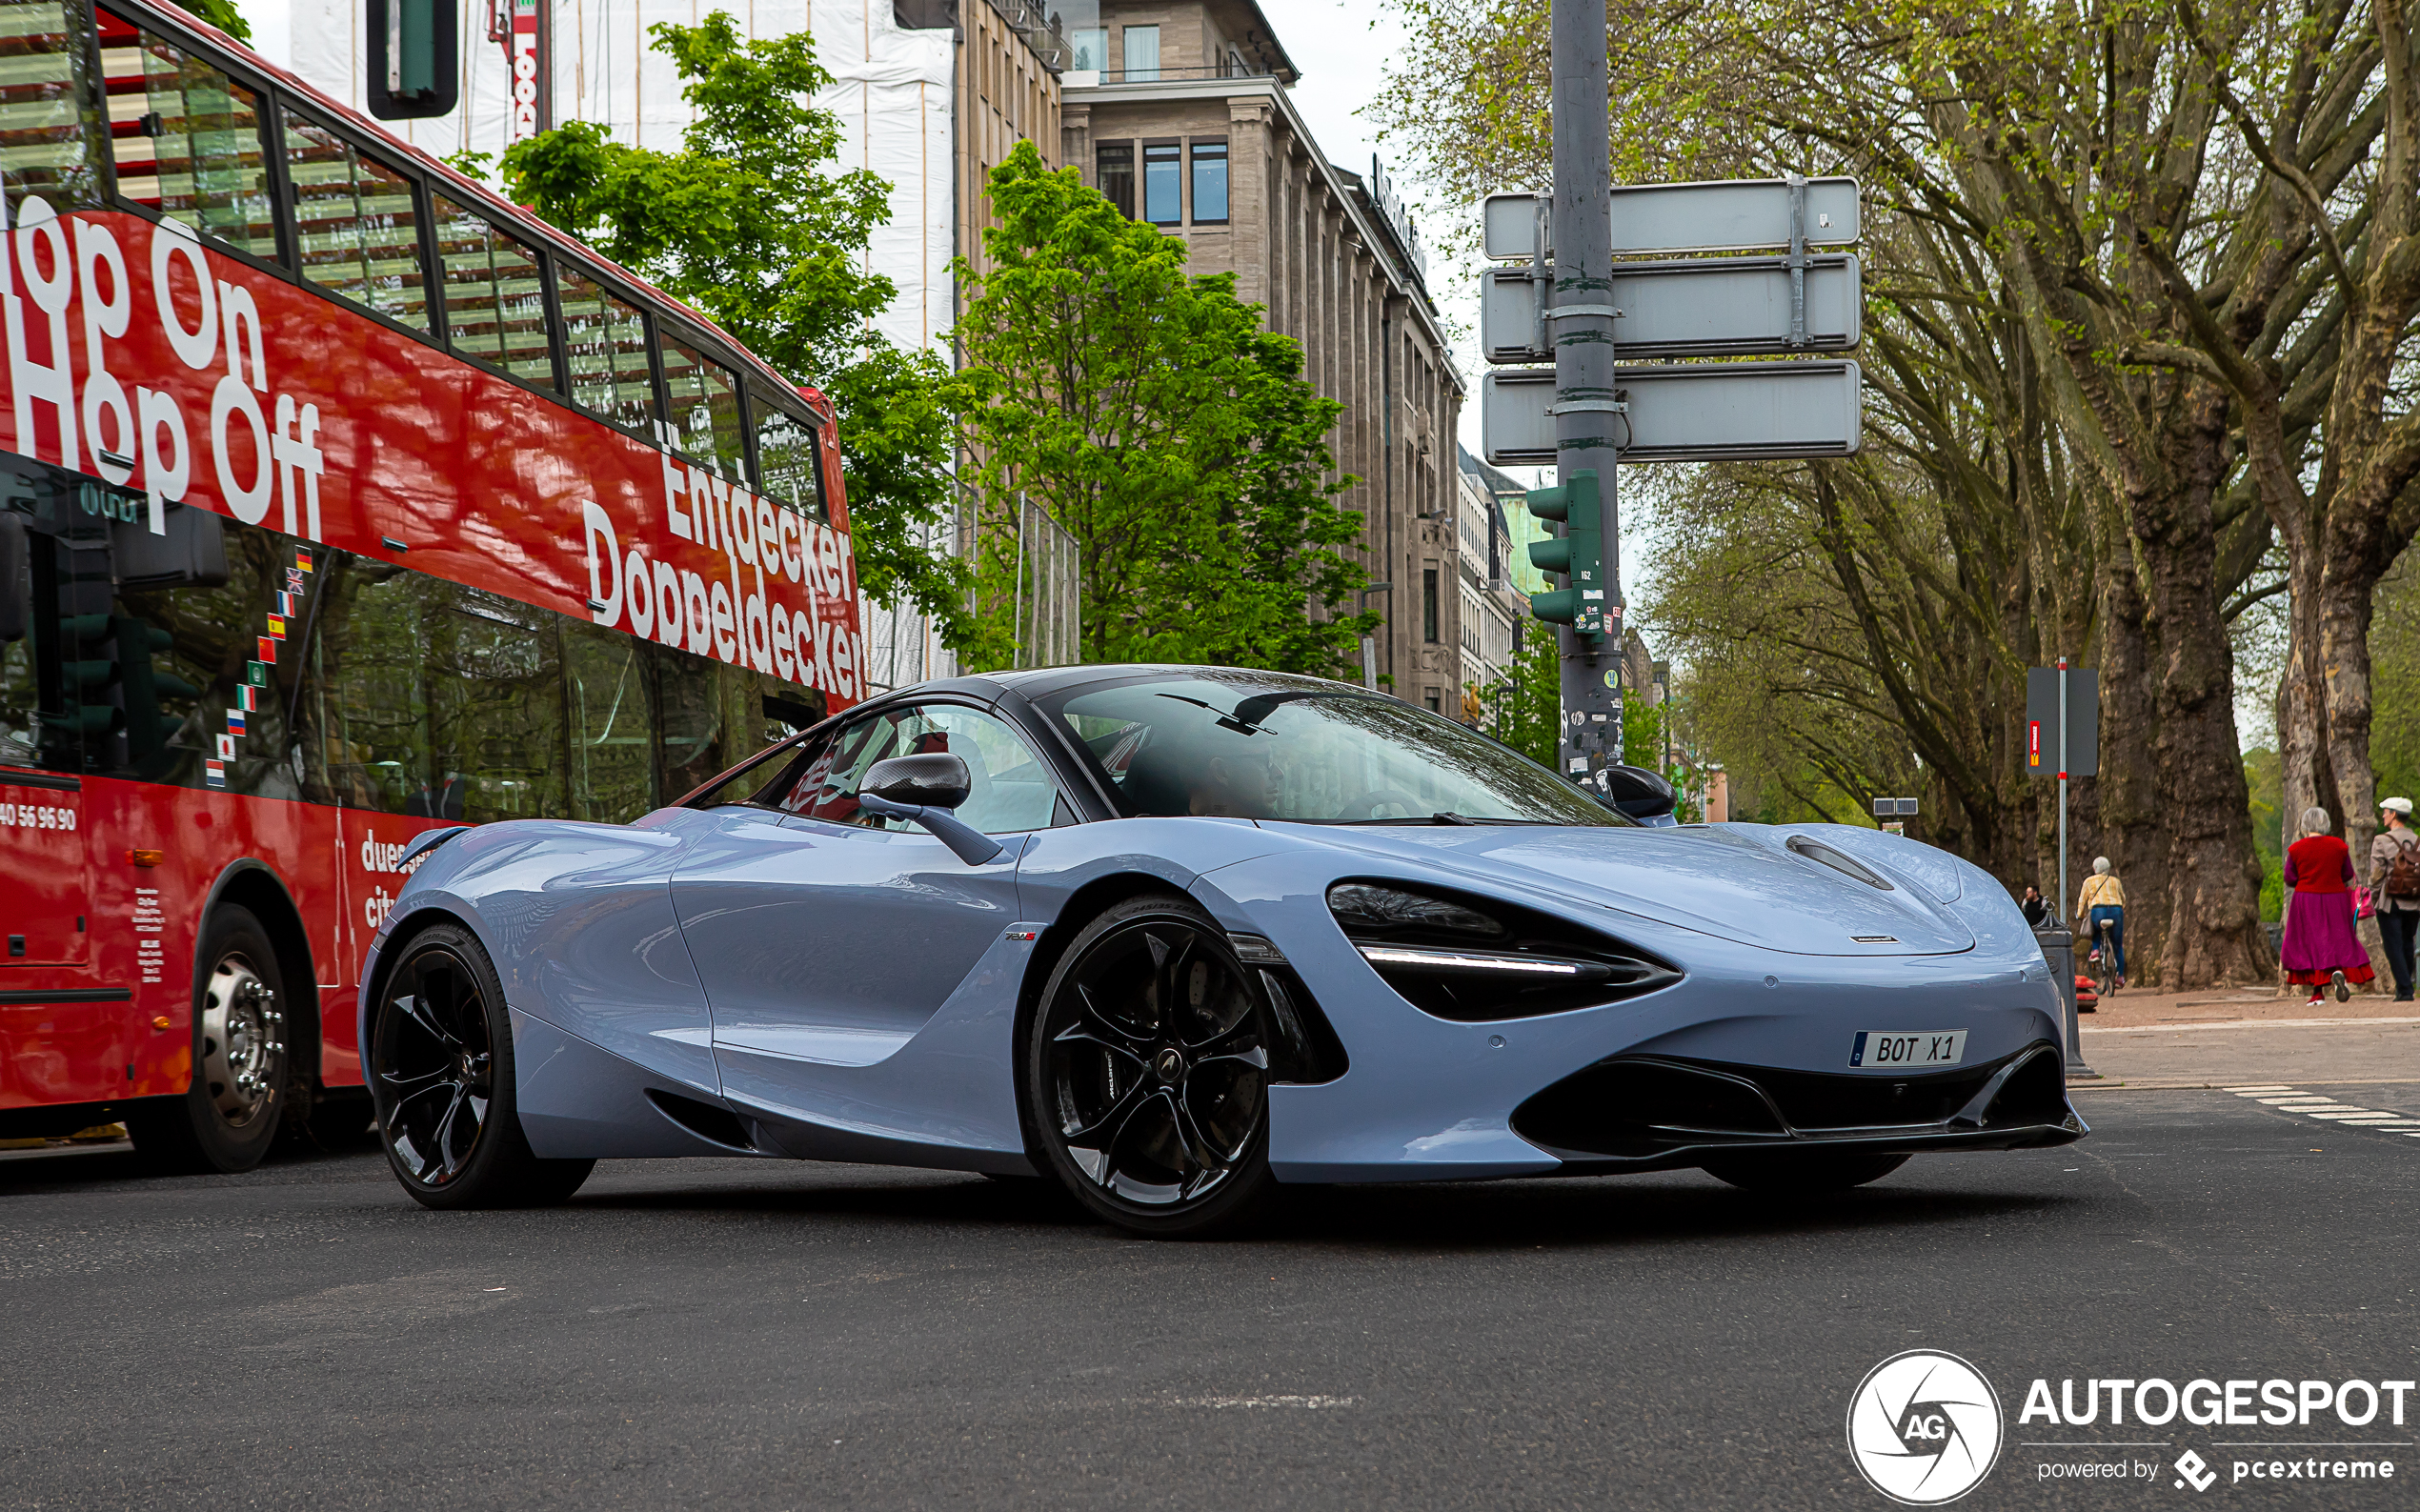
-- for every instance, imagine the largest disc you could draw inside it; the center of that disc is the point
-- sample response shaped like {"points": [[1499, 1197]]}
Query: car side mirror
{"points": [[1639, 793], [922, 790], [936, 780]]}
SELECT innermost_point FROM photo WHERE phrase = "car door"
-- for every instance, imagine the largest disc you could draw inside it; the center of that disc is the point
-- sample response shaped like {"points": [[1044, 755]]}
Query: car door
{"points": [[826, 935]]}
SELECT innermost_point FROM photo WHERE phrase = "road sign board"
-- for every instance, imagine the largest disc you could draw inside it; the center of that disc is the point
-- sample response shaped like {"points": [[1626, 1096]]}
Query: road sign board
{"points": [[1894, 808], [2041, 748], [1736, 214], [1698, 307], [1717, 412]]}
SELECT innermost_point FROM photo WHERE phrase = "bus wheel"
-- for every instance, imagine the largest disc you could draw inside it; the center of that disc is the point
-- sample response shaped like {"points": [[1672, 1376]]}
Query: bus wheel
{"points": [[228, 1116], [439, 1065]]}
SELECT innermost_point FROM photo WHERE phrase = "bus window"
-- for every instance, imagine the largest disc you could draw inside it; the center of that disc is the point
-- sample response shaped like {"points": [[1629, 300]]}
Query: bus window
{"points": [[41, 118], [495, 706], [186, 139], [369, 701], [605, 343], [705, 408], [356, 230], [613, 729], [495, 299], [688, 721], [786, 461]]}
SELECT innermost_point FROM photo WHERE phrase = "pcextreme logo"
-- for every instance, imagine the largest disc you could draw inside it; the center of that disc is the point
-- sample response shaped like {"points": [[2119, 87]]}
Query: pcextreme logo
{"points": [[1925, 1427]]}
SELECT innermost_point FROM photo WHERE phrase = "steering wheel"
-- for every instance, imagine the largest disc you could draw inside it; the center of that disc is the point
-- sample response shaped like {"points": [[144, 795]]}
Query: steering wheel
{"points": [[1368, 805]]}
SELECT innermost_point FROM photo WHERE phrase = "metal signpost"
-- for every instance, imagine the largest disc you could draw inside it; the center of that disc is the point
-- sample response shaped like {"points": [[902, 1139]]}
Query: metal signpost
{"points": [[1895, 813], [1569, 302], [2062, 738]]}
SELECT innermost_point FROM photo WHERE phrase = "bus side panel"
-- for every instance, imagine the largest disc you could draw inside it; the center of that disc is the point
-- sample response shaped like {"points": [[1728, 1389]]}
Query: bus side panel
{"points": [[145, 925]]}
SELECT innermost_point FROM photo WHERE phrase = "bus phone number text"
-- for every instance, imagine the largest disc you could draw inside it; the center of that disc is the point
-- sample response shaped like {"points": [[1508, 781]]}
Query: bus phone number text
{"points": [[36, 817]]}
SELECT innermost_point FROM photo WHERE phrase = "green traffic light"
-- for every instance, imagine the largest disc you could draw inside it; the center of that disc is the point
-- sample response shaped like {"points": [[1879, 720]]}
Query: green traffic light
{"points": [[1579, 553]]}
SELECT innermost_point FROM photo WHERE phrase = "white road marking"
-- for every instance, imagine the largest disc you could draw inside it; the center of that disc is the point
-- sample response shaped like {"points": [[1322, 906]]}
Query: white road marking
{"points": [[2327, 1110]]}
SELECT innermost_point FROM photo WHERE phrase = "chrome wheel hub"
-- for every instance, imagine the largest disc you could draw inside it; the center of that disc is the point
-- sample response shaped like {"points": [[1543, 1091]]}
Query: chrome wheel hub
{"points": [[243, 1041]]}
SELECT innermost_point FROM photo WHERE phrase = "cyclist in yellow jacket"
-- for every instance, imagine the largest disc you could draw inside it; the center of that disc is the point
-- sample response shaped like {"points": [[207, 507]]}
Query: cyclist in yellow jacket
{"points": [[2103, 899]]}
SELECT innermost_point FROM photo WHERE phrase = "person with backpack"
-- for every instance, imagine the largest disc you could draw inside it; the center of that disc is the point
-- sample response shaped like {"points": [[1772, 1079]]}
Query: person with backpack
{"points": [[2394, 888]]}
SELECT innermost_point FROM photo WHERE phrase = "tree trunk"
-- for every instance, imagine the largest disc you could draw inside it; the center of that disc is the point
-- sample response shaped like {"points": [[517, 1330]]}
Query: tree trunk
{"points": [[2213, 923], [2120, 807]]}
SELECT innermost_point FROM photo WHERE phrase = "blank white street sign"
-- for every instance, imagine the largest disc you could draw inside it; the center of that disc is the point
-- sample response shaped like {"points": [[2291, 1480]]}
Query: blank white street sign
{"points": [[1700, 307], [1725, 412], [1736, 214]]}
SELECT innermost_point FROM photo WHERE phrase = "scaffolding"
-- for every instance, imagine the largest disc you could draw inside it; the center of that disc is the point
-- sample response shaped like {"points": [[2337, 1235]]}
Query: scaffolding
{"points": [[1046, 591]]}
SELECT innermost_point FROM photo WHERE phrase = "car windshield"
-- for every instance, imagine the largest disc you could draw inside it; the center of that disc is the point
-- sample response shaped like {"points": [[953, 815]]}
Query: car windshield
{"points": [[1308, 751]]}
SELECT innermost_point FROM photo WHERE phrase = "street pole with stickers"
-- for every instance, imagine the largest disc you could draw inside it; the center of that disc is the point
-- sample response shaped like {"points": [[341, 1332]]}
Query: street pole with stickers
{"points": [[1582, 321]]}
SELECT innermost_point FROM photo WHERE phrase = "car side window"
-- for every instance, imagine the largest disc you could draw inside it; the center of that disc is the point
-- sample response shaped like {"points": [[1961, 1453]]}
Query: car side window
{"points": [[1011, 790]]}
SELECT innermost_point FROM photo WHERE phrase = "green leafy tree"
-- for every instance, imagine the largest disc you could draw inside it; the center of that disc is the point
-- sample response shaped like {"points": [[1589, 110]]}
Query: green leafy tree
{"points": [[222, 14], [1529, 702], [1157, 421], [749, 221]]}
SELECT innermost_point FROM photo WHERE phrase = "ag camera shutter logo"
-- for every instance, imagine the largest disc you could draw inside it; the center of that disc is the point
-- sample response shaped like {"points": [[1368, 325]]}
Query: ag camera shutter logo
{"points": [[1925, 1427]]}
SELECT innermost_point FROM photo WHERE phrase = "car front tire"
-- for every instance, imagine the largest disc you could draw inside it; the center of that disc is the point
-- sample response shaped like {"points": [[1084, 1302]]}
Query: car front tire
{"points": [[1147, 1071], [440, 1065]]}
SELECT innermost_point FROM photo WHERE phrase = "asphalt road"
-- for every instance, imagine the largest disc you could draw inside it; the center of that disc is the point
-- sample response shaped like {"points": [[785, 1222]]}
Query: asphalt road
{"points": [[747, 1333]]}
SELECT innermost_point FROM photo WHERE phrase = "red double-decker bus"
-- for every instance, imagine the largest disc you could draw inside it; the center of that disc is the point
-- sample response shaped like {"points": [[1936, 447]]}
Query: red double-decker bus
{"points": [[342, 500]]}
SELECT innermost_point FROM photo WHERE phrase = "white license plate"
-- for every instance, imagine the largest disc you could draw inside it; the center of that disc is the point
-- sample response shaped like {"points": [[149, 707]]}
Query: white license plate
{"points": [[1891, 1047]]}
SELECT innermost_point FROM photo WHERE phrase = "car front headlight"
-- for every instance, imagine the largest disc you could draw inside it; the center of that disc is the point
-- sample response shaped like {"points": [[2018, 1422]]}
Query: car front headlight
{"points": [[1474, 960]]}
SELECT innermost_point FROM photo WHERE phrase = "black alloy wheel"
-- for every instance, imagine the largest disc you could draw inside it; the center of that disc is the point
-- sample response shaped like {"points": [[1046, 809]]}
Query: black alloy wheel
{"points": [[1802, 1171], [440, 1072], [1149, 1072], [229, 1114]]}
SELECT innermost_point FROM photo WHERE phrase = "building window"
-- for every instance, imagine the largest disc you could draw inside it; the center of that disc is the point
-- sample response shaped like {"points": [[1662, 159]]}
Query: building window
{"points": [[1428, 605], [1142, 55], [1115, 164], [1209, 182], [1091, 47], [1435, 704], [1161, 204]]}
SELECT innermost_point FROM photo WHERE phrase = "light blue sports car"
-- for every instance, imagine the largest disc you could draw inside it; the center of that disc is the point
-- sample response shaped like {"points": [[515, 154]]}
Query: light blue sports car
{"points": [[1169, 935]]}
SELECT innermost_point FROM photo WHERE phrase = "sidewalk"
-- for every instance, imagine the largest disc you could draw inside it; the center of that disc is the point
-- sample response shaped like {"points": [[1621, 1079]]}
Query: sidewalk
{"points": [[2223, 1037]]}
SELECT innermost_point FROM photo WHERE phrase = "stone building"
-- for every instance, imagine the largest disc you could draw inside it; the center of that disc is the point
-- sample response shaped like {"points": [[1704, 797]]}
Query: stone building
{"points": [[1185, 121]]}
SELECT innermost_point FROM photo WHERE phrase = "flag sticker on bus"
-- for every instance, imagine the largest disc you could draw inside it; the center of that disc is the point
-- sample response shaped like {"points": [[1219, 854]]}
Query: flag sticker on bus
{"points": [[255, 674], [235, 721], [268, 650], [286, 608], [215, 773], [276, 627], [248, 698], [302, 558]]}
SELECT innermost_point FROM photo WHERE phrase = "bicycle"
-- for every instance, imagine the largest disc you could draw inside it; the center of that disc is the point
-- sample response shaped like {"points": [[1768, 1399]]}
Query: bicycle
{"points": [[2105, 952]]}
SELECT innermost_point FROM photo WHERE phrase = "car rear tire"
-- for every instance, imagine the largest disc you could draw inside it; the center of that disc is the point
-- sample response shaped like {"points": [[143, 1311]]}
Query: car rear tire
{"points": [[1802, 1171], [228, 1118], [440, 1065], [1147, 1071]]}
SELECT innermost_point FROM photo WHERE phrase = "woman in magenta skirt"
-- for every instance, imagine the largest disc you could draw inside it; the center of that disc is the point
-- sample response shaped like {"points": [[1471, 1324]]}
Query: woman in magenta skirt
{"points": [[2320, 946]]}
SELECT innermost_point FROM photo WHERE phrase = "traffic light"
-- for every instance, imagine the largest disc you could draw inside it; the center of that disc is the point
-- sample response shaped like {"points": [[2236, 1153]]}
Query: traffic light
{"points": [[1579, 553], [412, 70]]}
